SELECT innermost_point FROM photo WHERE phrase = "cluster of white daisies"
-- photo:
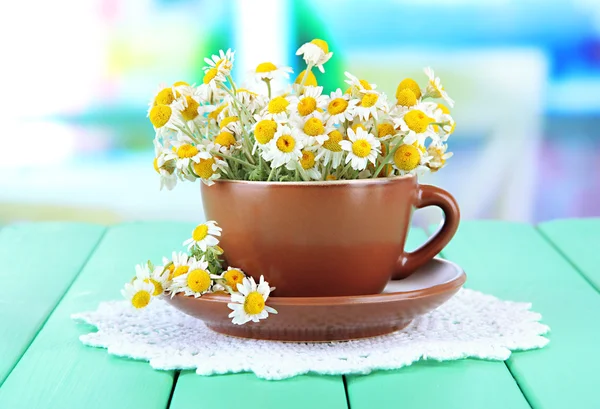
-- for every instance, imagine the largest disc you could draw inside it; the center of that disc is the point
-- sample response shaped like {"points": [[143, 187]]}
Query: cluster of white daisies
{"points": [[198, 273], [217, 130]]}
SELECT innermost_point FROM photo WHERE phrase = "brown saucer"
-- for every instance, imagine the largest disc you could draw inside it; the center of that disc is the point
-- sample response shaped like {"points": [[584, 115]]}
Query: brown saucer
{"points": [[336, 318]]}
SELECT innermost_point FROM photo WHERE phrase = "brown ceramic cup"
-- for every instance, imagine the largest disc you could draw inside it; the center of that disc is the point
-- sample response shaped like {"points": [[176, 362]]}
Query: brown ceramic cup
{"points": [[312, 239]]}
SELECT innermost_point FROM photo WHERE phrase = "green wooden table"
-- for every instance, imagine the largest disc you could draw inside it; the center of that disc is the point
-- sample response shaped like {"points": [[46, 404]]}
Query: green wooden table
{"points": [[51, 270]]}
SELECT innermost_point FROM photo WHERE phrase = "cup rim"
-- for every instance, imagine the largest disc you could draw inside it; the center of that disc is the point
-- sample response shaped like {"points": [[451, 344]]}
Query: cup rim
{"points": [[319, 182]]}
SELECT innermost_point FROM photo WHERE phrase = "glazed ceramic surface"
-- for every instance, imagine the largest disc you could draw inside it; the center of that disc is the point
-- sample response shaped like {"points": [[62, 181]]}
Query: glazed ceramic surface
{"points": [[336, 318], [326, 238]]}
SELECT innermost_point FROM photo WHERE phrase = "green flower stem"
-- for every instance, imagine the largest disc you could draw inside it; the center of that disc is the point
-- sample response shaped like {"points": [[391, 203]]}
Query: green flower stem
{"points": [[240, 161], [385, 160], [308, 69], [271, 174], [268, 82], [327, 170], [345, 170]]}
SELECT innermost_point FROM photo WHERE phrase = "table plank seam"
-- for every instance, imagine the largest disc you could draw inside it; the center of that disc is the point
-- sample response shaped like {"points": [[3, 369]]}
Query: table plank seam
{"points": [[87, 259], [345, 381], [566, 258], [175, 379], [507, 364]]}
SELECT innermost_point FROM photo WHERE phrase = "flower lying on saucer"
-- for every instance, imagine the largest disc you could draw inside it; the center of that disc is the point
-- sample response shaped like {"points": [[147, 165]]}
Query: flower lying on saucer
{"points": [[248, 304], [203, 236], [139, 293]]}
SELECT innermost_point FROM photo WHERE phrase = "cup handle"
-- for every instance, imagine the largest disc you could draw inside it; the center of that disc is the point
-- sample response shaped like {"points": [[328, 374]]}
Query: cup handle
{"points": [[428, 195]]}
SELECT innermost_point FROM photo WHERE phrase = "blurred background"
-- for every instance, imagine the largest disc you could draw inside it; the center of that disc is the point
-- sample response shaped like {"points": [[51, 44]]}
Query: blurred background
{"points": [[77, 77]]}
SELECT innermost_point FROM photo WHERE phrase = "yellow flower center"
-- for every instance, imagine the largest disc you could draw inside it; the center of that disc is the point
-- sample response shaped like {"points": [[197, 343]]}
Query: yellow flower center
{"points": [[337, 106], [306, 106], [322, 44], [187, 151], [140, 299], [226, 121], [368, 100], [410, 84], [214, 114], [361, 148], [308, 160], [407, 157], [210, 75], [233, 278], [180, 271], [406, 98], [365, 84], [190, 112], [178, 83], [156, 165], [204, 168], [417, 121], [333, 143], [198, 281], [452, 128], [330, 177], [254, 303], [160, 115], [356, 126], [311, 80], [286, 143], [314, 127], [385, 129], [200, 232], [265, 130], [278, 105], [444, 109], [164, 97], [225, 139], [158, 288], [266, 67]]}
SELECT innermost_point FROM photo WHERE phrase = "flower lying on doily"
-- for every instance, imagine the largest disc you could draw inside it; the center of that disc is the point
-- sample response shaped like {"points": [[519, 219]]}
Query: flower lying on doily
{"points": [[201, 272]]}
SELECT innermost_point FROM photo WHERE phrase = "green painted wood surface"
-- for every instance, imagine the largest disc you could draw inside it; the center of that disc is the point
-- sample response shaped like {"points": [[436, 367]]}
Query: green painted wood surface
{"points": [[579, 241], [429, 384], [57, 371], [246, 391], [41, 259], [514, 262]]}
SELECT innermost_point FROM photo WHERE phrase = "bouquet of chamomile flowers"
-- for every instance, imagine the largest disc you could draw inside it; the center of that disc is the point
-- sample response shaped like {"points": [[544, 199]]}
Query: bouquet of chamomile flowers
{"points": [[219, 130], [198, 272]]}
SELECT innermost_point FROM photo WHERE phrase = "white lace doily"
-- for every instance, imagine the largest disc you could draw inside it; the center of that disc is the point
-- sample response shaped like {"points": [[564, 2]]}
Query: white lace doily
{"points": [[471, 324]]}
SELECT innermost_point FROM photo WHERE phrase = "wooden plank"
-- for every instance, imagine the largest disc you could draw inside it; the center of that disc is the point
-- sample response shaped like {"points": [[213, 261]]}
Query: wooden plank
{"points": [[429, 384], [514, 262], [247, 391], [42, 259], [57, 371], [579, 241]]}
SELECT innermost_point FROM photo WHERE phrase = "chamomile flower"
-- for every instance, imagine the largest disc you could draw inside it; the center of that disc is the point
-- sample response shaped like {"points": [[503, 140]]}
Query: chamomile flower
{"points": [[251, 100], [362, 147], [307, 104], [163, 118], [340, 107], [286, 146], [139, 293], [409, 159], [357, 86], [179, 264], [165, 167], [222, 63], [195, 282], [307, 166], [187, 153], [314, 129], [264, 131], [438, 156], [435, 88], [316, 53], [266, 71], [278, 109], [331, 150], [416, 123], [203, 235], [249, 303], [209, 169], [230, 279], [158, 277], [370, 103]]}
